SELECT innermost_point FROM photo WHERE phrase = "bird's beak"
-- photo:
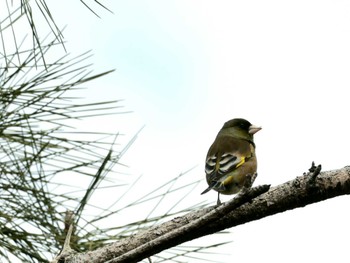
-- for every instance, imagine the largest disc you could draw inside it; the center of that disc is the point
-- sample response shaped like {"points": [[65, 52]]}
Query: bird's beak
{"points": [[254, 129]]}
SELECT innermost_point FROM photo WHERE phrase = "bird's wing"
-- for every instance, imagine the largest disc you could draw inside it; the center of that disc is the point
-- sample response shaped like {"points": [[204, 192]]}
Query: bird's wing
{"points": [[221, 162]]}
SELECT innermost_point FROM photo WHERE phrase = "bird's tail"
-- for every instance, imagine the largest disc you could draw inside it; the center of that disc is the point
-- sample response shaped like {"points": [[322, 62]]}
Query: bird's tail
{"points": [[207, 190]]}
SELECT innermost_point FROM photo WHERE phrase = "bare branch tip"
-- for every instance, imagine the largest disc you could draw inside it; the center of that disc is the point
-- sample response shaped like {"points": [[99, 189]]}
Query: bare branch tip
{"points": [[66, 250], [314, 171]]}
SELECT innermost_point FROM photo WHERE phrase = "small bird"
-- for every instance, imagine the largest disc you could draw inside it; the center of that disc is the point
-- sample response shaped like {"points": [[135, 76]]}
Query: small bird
{"points": [[231, 158]]}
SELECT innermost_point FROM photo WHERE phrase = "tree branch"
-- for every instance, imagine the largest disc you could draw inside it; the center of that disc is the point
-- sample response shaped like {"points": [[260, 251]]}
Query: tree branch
{"points": [[307, 189]]}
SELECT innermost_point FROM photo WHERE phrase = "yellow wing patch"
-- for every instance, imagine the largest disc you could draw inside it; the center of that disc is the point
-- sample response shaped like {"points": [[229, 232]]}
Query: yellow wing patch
{"points": [[228, 180], [217, 165], [242, 161]]}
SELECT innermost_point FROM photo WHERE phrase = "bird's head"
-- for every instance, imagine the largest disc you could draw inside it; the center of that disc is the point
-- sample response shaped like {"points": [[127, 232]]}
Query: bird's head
{"points": [[240, 128]]}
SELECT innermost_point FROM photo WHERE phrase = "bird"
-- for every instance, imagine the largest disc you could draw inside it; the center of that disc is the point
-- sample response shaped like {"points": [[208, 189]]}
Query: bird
{"points": [[231, 158]]}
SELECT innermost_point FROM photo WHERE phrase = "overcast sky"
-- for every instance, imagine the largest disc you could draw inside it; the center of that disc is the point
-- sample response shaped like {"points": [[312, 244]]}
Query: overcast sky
{"points": [[186, 67]]}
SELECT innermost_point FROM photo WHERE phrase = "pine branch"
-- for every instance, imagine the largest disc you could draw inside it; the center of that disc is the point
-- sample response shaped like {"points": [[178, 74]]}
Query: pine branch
{"points": [[310, 188]]}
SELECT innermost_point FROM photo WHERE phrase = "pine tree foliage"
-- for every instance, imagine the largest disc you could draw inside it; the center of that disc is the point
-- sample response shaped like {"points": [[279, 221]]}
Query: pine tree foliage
{"points": [[49, 170]]}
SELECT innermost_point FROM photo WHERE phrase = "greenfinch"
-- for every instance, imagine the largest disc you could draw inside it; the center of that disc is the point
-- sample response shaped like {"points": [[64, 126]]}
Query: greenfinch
{"points": [[231, 158]]}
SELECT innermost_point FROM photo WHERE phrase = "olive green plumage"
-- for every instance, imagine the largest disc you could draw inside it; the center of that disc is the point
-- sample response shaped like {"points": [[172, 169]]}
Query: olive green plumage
{"points": [[231, 157]]}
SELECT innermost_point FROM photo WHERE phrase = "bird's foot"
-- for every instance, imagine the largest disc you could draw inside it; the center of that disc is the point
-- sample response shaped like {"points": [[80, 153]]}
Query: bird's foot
{"points": [[218, 202]]}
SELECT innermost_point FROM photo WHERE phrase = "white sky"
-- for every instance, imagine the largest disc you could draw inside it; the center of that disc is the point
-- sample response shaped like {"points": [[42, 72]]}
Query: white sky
{"points": [[186, 67]]}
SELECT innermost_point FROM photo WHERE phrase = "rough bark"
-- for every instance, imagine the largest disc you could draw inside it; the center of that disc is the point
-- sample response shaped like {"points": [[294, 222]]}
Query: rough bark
{"points": [[304, 190]]}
